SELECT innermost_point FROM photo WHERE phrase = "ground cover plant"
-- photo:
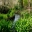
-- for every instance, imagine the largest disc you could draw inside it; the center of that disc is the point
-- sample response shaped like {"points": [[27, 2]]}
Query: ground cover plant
{"points": [[7, 16]]}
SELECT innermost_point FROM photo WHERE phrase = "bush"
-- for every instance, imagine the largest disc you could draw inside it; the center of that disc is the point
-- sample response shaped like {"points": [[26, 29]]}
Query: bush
{"points": [[12, 12], [1, 17], [22, 25], [25, 3], [5, 25]]}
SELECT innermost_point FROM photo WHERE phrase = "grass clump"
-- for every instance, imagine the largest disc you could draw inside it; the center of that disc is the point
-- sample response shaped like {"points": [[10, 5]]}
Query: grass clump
{"points": [[5, 25]]}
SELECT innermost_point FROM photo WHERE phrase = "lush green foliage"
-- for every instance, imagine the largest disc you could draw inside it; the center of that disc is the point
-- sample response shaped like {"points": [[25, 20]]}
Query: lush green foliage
{"points": [[25, 2], [5, 25], [24, 24], [12, 13]]}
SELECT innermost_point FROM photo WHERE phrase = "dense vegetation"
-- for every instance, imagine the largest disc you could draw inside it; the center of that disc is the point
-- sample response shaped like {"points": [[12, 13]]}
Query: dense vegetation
{"points": [[7, 15]]}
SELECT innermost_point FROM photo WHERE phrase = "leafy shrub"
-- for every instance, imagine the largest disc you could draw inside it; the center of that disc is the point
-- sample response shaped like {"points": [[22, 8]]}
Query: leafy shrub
{"points": [[11, 13], [26, 15], [1, 17], [22, 25], [5, 25], [16, 7]]}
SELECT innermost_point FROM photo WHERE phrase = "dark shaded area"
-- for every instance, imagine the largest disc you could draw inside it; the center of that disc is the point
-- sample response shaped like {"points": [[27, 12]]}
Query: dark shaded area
{"points": [[4, 29], [4, 10], [1, 17], [30, 30], [11, 18], [13, 29]]}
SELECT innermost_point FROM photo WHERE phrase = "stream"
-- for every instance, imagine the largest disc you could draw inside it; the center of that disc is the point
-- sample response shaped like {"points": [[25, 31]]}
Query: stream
{"points": [[15, 20]]}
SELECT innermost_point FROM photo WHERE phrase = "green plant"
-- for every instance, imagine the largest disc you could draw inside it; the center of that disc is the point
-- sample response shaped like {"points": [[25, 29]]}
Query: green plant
{"points": [[5, 25], [22, 25], [12, 13], [25, 3], [16, 7], [1, 17], [27, 15]]}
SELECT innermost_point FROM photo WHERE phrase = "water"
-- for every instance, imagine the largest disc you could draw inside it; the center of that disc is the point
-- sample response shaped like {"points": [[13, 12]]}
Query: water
{"points": [[16, 19]]}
